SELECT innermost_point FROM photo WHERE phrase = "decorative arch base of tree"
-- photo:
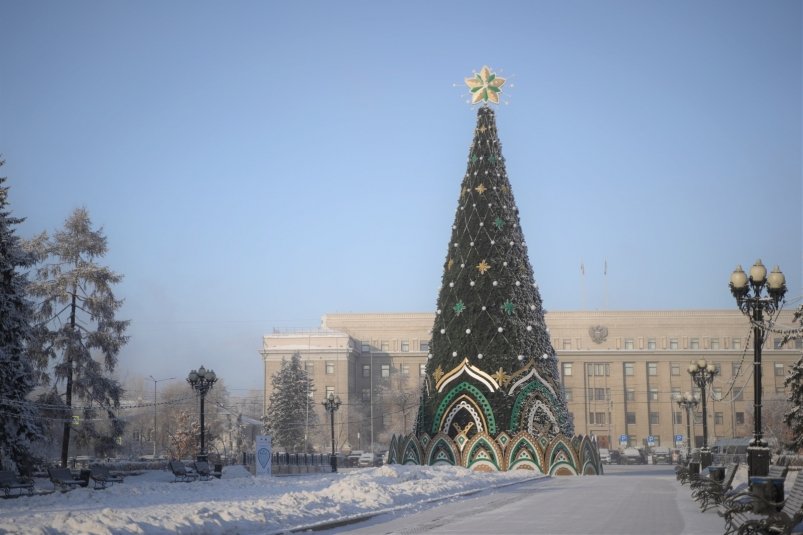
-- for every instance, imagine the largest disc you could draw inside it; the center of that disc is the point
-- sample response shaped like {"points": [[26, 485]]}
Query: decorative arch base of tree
{"points": [[555, 455]]}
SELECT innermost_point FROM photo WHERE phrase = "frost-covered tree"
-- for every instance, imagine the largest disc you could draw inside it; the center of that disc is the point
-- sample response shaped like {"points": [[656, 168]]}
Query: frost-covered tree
{"points": [[78, 337], [289, 405], [794, 385], [19, 428]]}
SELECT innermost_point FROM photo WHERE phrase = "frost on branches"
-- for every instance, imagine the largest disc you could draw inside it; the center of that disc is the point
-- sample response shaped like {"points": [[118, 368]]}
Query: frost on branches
{"points": [[78, 338], [19, 428], [290, 416], [794, 385]]}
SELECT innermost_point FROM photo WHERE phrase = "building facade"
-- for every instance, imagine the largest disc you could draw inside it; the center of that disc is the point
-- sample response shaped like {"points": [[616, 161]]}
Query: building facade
{"points": [[622, 373]]}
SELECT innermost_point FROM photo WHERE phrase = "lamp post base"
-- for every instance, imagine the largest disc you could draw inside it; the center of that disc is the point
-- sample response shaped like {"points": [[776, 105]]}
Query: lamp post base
{"points": [[706, 458], [758, 459], [202, 457], [334, 463]]}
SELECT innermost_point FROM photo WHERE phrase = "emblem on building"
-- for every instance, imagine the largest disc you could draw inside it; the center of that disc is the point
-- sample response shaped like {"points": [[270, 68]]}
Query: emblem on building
{"points": [[598, 333]]}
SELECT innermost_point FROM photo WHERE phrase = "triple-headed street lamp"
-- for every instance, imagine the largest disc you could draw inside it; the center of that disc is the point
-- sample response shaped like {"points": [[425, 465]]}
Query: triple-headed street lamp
{"points": [[331, 404], [202, 380], [753, 304], [702, 374], [688, 402]]}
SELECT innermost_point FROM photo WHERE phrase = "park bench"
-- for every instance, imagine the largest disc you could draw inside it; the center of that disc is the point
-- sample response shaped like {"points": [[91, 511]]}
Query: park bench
{"points": [[205, 472], [711, 492], [11, 482], [102, 477], [64, 479], [753, 512], [181, 473]]}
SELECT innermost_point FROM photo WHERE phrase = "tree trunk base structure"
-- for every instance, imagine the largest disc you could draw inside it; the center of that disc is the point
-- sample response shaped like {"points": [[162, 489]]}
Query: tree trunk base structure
{"points": [[555, 456]]}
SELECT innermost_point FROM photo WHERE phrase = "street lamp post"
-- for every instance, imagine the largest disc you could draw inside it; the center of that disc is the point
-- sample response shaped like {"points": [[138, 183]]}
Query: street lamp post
{"points": [[154, 409], [331, 404], [202, 380], [702, 373], [753, 304], [689, 403]]}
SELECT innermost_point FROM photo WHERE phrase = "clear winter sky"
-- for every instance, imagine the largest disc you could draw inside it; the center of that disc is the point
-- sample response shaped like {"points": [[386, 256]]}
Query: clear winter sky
{"points": [[255, 165]]}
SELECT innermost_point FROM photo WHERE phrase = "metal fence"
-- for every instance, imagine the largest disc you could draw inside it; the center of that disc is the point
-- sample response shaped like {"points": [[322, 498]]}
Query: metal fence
{"points": [[293, 463]]}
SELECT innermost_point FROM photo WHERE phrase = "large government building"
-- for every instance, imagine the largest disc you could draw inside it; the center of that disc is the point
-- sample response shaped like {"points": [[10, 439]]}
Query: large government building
{"points": [[622, 372]]}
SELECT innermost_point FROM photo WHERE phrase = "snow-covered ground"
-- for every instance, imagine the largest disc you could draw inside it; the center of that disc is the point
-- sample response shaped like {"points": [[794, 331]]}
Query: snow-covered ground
{"points": [[239, 503], [390, 499]]}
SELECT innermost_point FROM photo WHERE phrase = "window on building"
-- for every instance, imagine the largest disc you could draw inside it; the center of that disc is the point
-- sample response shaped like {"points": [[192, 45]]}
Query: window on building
{"points": [[718, 367], [798, 343], [567, 343], [653, 393], [678, 417], [779, 369], [630, 417], [675, 393], [423, 346], [385, 345], [330, 368], [630, 394], [779, 389], [738, 393], [698, 417], [777, 342], [652, 368], [629, 369], [736, 368], [631, 440], [422, 370], [599, 369], [628, 343], [309, 367], [694, 343], [599, 394], [718, 418], [405, 346], [675, 368], [385, 371], [596, 418], [673, 343], [366, 394], [651, 344], [714, 343], [366, 347], [366, 370], [568, 394], [739, 418], [405, 369], [657, 439], [716, 393], [736, 343], [329, 390], [567, 369]]}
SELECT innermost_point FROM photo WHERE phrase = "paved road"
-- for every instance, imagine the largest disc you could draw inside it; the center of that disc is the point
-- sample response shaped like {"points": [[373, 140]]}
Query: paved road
{"points": [[634, 500]]}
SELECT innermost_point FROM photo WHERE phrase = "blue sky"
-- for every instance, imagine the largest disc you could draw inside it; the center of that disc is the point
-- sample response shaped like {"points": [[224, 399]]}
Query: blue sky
{"points": [[255, 165]]}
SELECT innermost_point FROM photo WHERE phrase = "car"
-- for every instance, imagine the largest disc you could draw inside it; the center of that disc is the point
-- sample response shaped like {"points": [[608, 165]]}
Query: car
{"points": [[661, 456], [366, 459], [353, 458], [631, 456], [605, 455]]}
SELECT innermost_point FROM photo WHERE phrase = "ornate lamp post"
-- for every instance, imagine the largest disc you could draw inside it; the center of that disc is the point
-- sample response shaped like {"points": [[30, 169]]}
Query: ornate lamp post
{"points": [[154, 409], [202, 380], [748, 293], [702, 373], [331, 404], [689, 403]]}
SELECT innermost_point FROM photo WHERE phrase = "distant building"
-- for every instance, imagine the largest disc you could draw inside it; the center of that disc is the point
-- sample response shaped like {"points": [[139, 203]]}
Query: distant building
{"points": [[622, 372]]}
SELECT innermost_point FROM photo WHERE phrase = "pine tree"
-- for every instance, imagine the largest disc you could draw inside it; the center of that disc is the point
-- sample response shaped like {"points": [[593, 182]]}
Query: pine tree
{"points": [[19, 428], [489, 327], [794, 385], [78, 332], [290, 406]]}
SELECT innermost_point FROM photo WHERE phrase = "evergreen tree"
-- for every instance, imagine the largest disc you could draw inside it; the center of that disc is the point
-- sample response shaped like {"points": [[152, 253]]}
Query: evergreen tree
{"points": [[78, 332], [19, 428], [794, 385], [290, 406], [490, 319]]}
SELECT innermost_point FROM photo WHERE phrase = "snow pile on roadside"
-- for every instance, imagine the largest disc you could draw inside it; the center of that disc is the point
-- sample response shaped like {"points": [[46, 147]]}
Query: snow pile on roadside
{"points": [[239, 503]]}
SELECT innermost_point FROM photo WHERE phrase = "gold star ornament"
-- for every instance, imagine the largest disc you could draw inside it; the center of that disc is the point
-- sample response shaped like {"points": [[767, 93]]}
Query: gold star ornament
{"points": [[501, 377], [485, 86], [483, 266]]}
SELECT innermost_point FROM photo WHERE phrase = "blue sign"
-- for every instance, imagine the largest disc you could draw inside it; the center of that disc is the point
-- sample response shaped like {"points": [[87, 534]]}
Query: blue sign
{"points": [[623, 439], [678, 438], [651, 440]]}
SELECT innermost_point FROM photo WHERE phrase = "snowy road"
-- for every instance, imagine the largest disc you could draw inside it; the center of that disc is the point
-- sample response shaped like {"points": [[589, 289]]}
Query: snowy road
{"points": [[634, 500]]}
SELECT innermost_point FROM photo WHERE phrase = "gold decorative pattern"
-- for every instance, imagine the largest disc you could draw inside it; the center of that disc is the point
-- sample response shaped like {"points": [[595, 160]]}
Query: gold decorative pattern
{"points": [[437, 374], [483, 267], [481, 189], [485, 86], [501, 377]]}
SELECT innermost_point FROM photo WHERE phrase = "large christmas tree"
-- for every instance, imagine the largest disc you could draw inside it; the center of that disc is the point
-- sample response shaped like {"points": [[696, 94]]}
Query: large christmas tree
{"points": [[492, 399]]}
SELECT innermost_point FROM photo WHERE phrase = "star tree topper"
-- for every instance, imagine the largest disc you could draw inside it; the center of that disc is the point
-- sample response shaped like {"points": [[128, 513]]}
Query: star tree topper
{"points": [[485, 86]]}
